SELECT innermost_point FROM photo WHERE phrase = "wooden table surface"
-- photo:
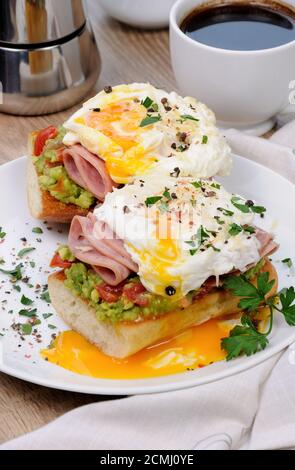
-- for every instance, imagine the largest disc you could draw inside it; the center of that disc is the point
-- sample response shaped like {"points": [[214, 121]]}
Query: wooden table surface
{"points": [[128, 55]]}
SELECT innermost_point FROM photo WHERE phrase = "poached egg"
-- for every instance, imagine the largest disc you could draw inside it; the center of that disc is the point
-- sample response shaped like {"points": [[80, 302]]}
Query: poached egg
{"points": [[138, 130], [181, 231]]}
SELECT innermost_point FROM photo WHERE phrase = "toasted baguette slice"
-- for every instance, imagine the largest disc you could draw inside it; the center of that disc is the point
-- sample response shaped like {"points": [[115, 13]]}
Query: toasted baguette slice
{"points": [[42, 205], [123, 339]]}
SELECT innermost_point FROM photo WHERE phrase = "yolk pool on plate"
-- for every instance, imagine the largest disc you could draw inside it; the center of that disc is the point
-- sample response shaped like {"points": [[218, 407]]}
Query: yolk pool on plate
{"points": [[196, 347]]}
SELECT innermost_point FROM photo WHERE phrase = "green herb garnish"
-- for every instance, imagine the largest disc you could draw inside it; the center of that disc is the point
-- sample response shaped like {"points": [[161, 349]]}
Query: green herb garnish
{"points": [[15, 273], [26, 328], [245, 339], [246, 207], [204, 139], [288, 262], [2, 234], [150, 120], [25, 251], [235, 229], [197, 184], [47, 315], [167, 194], [28, 313], [147, 102], [225, 211], [37, 230], [45, 296], [185, 117], [150, 201], [198, 240], [26, 301]]}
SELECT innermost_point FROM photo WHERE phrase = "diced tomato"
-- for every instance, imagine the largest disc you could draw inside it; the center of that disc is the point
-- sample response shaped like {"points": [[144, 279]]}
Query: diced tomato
{"points": [[41, 139], [135, 293], [58, 262], [109, 293]]}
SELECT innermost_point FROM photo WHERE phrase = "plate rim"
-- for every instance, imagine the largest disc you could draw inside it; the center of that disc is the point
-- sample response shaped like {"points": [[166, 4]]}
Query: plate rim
{"points": [[125, 389]]}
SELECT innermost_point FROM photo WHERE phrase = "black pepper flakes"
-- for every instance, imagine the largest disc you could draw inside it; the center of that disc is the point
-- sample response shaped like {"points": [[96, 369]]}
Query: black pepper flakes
{"points": [[170, 290], [249, 203], [108, 89], [175, 173]]}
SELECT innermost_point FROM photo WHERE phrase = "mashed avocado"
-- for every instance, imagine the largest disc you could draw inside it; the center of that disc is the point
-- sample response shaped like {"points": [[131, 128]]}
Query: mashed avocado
{"points": [[82, 281], [54, 178]]}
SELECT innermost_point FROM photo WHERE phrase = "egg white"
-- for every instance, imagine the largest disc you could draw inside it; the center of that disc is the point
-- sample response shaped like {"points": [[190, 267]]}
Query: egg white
{"points": [[168, 260], [153, 153]]}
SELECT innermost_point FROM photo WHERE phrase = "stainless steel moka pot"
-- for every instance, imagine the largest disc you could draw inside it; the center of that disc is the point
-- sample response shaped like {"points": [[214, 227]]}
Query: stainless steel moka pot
{"points": [[49, 59]]}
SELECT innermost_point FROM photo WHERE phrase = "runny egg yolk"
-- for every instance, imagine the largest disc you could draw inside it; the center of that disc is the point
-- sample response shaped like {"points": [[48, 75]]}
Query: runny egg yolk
{"points": [[120, 122], [157, 262], [196, 347]]}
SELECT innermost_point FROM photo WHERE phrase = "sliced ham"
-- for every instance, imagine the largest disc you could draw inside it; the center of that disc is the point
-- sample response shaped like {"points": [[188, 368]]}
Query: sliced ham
{"points": [[88, 171], [94, 243], [267, 243]]}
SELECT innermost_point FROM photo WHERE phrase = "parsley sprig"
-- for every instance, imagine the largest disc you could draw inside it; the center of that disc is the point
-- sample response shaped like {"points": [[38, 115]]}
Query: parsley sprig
{"points": [[247, 206], [198, 240], [245, 338]]}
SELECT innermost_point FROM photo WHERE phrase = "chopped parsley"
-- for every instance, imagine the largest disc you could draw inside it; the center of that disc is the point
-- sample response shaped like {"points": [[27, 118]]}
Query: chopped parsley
{"points": [[47, 315], [219, 220], [147, 121], [225, 211], [288, 262], [235, 229], [167, 194], [197, 184], [26, 301], [37, 230], [198, 240], [25, 251], [181, 148], [45, 296], [246, 207], [185, 117], [28, 313], [2, 234], [26, 328], [15, 273], [205, 139], [150, 201], [147, 102]]}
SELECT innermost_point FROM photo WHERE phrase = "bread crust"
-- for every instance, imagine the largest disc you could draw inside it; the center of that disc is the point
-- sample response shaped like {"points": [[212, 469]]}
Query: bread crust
{"points": [[123, 339], [42, 205]]}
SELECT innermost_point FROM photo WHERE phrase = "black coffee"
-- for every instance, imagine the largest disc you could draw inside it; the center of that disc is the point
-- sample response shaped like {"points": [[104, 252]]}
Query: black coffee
{"points": [[241, 27]]}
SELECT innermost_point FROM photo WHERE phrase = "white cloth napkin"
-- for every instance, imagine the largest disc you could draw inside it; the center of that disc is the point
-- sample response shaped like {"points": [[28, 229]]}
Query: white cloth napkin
{"points": [[251, 410]]}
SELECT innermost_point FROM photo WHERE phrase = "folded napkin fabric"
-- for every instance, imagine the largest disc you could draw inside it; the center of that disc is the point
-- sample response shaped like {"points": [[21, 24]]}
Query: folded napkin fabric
{"points": [[254, 409]]}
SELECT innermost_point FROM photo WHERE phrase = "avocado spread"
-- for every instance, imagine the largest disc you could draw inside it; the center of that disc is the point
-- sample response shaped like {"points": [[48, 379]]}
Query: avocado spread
{"points": [[82, 281], [54, 178]]}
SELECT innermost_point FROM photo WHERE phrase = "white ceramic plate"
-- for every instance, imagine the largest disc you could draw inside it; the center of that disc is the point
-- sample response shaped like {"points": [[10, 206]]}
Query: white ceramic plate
{"points": [[24, 362]]}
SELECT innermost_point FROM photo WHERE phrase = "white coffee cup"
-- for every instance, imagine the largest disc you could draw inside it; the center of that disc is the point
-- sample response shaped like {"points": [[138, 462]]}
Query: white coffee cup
{"points": [[140, 13], [246, 89]]}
